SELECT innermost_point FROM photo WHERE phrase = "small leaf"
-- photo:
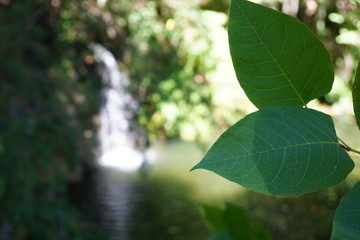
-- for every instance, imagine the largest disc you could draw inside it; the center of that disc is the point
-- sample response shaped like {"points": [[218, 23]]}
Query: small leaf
{"points": [[277, 59], [262, 233], [282, 150], [356, 95], [346, 222], [224, 235], [213, 217], [238, 223]]}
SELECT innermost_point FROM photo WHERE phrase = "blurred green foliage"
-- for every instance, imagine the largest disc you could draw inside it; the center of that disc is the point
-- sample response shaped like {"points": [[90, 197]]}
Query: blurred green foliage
{"points": [[49, 91], [44, 83], [231, 223], [166, 53], [306, 216]]}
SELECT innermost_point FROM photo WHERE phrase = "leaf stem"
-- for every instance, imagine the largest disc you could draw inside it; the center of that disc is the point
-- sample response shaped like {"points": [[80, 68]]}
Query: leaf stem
{"points": [[347, 147]]}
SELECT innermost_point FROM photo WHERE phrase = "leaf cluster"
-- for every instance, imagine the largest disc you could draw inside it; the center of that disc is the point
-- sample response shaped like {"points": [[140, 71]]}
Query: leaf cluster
{"points": [[284, 148]]}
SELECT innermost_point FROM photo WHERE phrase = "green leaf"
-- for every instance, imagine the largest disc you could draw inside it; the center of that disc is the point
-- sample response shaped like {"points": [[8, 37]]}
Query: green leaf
{"points": [[346, 222], [238, 223], [277, 59], [224, 235], [356, 95], [213, 217], [282, 150], [262, 233]]}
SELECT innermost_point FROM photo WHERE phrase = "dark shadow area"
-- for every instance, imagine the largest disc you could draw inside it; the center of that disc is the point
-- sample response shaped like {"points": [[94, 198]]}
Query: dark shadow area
{"points": [[48, 95], [307, 216]]}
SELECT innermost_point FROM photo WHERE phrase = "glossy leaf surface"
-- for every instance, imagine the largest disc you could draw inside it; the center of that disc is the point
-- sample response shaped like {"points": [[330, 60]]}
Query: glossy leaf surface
{"points": [[283, 150], [346, 222], [356, 95], [277, 59]]}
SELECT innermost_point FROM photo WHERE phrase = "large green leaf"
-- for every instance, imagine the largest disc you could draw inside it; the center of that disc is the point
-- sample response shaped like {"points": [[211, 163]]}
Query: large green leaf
{"points": [[281, 150], [277, 59], [356, 95], [346, 222]]}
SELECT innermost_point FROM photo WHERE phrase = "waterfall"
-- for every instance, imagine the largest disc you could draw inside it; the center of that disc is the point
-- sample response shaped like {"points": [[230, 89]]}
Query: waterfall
{"points": [[117, 140]]}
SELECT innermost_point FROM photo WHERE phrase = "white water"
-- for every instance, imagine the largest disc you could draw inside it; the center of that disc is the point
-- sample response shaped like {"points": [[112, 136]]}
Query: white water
{"points": [[101, 3], [117, 140]]}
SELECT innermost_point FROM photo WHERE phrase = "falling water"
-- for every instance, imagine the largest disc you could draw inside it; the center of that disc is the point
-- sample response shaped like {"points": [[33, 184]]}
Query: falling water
{"points": [[101, 3], [128, 205], [117, 153], [117, 140]]}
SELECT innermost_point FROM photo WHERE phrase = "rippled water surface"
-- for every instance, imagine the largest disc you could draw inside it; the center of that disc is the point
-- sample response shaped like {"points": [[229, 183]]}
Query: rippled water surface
{"points": [[157, 202]]}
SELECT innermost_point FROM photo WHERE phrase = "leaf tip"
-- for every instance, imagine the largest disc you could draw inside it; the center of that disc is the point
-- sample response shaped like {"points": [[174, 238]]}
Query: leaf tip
{"points": [[193, 168], [197, 166]]}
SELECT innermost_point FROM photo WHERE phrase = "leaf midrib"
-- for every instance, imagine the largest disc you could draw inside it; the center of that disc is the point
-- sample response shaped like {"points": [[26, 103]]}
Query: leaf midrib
{"points": [[270, 150], [278, 65]]}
